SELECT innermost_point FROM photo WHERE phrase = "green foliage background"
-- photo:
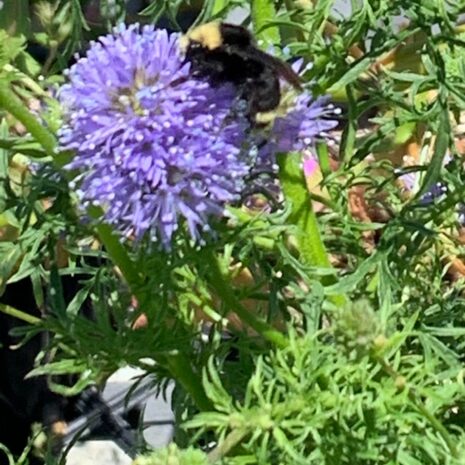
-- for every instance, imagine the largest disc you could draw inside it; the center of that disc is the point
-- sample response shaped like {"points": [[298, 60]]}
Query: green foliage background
{"points": [[349, 350]]}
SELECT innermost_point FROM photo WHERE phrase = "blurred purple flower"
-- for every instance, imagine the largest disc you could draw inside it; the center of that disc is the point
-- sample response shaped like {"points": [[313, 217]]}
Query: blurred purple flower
{"points": [[152, 145], [307, 121], [411, 181]]}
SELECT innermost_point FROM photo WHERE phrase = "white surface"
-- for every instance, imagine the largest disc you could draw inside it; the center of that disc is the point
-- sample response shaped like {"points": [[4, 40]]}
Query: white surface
{"points": [[97, 452]]}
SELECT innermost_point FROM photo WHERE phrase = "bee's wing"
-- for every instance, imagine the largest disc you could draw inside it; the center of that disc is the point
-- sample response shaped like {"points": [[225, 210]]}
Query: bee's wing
{"points": [[282, 68]]}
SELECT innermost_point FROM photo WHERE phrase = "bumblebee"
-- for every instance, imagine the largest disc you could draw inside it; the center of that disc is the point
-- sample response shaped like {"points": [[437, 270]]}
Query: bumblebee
{"points": [[222, 52]]}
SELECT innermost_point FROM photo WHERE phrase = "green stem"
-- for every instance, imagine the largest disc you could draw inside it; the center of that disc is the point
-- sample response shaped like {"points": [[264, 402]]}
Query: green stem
{"points": [[50, 58], [311, 246], [14, 312], [13, 105], [323, 200], [230, 441], [220, 282], [323, 159], [292, 179], [348, 136], [120, 257], [181, 369]]}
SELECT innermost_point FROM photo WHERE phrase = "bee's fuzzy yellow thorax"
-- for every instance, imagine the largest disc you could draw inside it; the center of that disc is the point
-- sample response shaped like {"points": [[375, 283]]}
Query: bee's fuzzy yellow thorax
{"points": [[208, 35]]}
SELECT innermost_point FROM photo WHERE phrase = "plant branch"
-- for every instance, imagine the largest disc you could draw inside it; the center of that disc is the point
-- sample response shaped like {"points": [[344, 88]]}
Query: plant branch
{"points": [[220, 282], [414, 397], [230, 441], [12, 104], [181, 369], [177, 363], [20, 315]]}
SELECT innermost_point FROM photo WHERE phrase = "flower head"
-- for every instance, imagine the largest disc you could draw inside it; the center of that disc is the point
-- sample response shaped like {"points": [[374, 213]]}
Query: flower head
{"points": [[152, 145], [155, 148], [303, 124]]}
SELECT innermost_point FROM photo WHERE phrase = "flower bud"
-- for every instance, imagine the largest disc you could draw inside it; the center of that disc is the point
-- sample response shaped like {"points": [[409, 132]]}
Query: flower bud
{"points": [[45, 12]]}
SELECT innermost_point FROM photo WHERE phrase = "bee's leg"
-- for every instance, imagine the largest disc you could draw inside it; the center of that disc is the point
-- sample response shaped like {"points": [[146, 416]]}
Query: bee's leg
{"points": [[239, 108]]}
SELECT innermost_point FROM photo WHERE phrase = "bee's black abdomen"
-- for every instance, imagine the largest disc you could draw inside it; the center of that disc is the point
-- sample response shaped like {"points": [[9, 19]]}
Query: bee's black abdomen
{"points": [[264, 93]]}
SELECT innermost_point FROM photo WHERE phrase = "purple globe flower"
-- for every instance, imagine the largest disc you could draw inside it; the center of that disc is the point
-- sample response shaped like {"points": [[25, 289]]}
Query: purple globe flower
{"points": [[152, 145], [156, 149]]}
